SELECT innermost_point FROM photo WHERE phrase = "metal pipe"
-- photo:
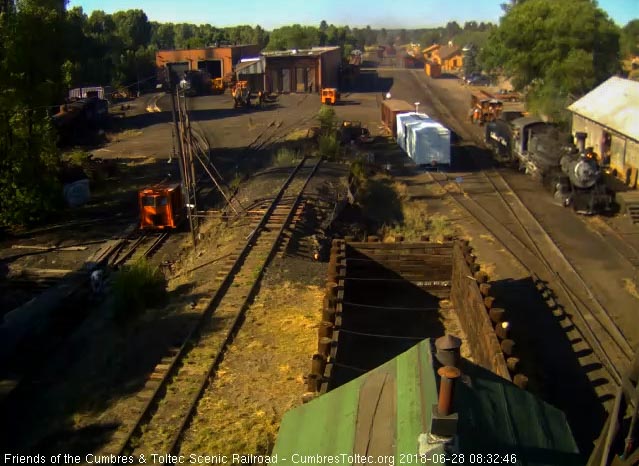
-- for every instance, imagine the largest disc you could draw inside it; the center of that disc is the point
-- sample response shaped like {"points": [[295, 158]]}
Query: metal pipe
{"points": [[448, 375]]}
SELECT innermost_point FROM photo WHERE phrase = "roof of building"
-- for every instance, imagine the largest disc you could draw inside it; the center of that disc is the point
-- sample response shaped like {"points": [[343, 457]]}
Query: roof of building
{"points": [[250, 66], [398, 105], [430, 48], [385, 411], [221, 46], [447, 51], [315, 51], [613, 104]]}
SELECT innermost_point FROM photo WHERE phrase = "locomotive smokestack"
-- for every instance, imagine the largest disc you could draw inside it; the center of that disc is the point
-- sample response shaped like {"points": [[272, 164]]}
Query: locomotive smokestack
{"points": [[581, 142]]}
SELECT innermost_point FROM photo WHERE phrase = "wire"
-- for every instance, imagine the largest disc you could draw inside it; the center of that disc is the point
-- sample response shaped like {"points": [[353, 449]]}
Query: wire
{"points": [[346, 366], [391, 308], [376, 335]]}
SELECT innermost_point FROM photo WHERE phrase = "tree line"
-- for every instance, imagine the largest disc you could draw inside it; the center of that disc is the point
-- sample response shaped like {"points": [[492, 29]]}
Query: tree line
{"points": [[555, 50]]}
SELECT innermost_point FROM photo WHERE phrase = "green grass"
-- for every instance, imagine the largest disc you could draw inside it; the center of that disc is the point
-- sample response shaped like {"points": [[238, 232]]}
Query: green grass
{"points": [[137, 287], [329, 146], [285, 157], [77, 158]]}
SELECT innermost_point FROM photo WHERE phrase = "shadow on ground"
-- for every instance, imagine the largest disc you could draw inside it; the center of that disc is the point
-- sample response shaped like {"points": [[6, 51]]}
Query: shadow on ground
{"points": [[549, 360], [46, 413]]}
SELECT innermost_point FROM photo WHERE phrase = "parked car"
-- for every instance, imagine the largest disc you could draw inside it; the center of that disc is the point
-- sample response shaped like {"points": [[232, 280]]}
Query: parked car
{"points": [[471, 76], [481, 80]]}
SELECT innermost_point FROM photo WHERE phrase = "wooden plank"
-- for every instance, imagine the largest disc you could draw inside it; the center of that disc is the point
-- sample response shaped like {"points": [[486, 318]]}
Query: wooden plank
{"points": [[49, 248], [412, 258], [399, 246], [41, 272], [374, 434]]}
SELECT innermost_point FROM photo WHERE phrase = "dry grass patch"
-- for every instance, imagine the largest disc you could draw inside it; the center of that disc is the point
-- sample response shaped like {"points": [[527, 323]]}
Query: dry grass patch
{"points": [[261, 376], [297, 135], [631, 287]]}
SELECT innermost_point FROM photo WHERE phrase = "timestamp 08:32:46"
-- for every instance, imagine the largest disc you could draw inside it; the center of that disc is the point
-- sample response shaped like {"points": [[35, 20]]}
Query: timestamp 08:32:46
{"points": [[458, 458]]}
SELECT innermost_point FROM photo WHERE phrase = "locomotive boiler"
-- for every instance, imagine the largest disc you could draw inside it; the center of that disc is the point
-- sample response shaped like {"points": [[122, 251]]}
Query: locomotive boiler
{"points": [[545, 152]]}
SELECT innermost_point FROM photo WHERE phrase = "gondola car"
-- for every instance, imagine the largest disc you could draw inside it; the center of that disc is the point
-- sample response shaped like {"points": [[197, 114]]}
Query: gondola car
{"points": [[161, 207], [542, 150]]}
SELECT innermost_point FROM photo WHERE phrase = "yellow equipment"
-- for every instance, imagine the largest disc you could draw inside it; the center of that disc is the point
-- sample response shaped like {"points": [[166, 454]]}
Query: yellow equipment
{"points": [[217, 86], [330, 96], [241, 94]]}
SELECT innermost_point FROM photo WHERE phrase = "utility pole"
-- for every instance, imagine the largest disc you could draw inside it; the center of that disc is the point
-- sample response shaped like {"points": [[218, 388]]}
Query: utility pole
{"points": [[188, 171], [184, 181]]}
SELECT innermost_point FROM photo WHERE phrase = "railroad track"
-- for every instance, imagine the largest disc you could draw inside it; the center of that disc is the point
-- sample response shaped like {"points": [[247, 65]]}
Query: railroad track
{"points": [[138, 246], [166, 404], [535, 250]]}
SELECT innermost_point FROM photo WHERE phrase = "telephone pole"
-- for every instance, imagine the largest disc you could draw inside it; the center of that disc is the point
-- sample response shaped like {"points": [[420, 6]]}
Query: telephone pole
{"points": [[184, 171]]}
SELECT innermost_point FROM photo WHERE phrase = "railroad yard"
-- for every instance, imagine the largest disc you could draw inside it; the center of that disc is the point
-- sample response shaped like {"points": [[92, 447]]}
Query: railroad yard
{"points": [[214, 367]]}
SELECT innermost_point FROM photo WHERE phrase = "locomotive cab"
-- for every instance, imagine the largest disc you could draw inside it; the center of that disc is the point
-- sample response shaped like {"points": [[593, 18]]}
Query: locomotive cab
{"points": [[160, 207]]}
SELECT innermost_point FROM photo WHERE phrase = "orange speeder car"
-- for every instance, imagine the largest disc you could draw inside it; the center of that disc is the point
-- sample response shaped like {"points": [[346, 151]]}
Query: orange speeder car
{"points": [[161, 207]]}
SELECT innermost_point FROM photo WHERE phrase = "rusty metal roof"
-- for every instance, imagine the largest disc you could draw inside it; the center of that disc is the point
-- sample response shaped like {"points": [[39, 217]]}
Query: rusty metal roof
{"points": [[614, 104], [315, 51]]}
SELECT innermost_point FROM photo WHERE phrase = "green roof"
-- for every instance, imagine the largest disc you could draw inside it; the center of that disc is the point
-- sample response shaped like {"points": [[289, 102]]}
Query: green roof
{"points": [[383, 413]]}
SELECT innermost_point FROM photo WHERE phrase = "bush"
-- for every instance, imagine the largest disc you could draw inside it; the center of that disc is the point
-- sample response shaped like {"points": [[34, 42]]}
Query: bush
{"points": [[137, 287], [29, 186], [77, 158], [327, 119], [329, 146], [285, 157]]}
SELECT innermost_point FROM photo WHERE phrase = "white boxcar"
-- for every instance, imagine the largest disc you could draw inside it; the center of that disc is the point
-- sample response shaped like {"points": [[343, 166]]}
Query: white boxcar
{"points": [[429, 143], [402, 120], [425, 140]]}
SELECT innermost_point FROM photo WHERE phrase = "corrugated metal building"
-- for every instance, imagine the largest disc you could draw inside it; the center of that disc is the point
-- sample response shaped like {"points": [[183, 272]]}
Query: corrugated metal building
{"points": [[609, 115], [385, 415], [218, 61]]}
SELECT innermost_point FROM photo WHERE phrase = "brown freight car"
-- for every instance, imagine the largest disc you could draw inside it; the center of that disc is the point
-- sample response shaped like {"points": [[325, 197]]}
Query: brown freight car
{"points": [[390, 109]]}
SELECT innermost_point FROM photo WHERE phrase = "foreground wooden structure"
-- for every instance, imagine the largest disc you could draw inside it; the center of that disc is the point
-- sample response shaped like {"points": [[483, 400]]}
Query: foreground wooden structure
{"points": [[382, 298]]}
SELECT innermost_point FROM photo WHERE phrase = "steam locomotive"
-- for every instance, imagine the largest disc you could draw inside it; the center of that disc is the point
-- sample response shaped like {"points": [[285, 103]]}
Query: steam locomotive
{"points": [[542, 150]]}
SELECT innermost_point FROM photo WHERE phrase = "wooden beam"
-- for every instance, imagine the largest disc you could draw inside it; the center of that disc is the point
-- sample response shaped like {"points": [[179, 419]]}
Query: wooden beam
{"points": [[49, 248]]}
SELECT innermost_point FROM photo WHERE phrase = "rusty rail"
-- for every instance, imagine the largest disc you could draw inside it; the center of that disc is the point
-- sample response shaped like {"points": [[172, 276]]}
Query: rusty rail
{"points": [[172, 366]]}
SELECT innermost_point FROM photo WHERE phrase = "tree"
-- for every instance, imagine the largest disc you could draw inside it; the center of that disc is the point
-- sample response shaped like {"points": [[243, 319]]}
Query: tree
{"points": [[555, 49], [630, 39], [163, 36], [506, 7], [470, 60], [31, 74], [294, 37], [133, 28]]}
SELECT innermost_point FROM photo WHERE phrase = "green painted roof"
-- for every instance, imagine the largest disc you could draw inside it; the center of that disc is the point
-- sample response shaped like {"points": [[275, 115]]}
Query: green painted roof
{"points": [[382, 414]]}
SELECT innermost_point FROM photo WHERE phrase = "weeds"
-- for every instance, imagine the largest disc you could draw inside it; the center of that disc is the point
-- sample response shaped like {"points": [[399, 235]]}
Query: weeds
{"points": [[77, 158], [136, 287], [285, 157], [329, 146], [439, 227], [630, 286], [358, 171], [327, 120]]}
